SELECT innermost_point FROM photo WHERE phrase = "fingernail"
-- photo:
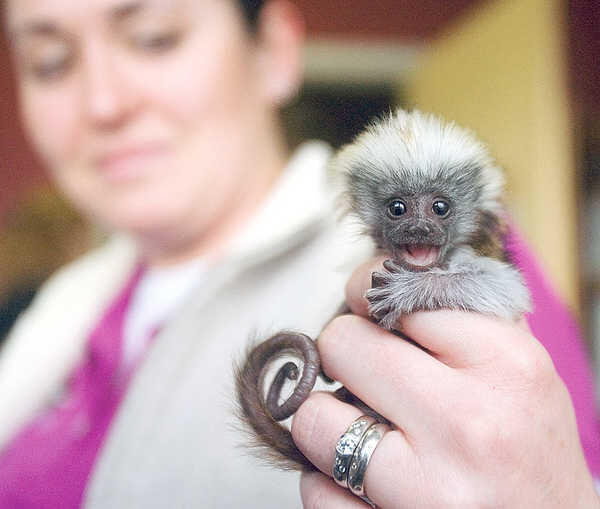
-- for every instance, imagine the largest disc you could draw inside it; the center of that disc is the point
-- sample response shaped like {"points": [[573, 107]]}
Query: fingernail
{"points": [[377, 279], [389, 265]]}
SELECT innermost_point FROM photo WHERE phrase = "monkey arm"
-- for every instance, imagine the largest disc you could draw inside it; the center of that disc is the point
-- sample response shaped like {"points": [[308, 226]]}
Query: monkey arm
{"points": [[470, 282]]}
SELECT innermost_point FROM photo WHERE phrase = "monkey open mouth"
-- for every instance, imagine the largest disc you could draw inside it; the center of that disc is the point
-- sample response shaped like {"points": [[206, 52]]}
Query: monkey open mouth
{"points": [[417, 257]]}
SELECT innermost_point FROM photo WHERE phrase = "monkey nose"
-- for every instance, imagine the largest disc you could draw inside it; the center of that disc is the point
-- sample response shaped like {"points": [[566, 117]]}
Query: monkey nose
{"points": [[419, 229]]}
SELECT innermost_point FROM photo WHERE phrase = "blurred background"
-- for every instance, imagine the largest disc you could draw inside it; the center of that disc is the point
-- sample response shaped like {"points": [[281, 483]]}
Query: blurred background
{"points": [[524, 74]]}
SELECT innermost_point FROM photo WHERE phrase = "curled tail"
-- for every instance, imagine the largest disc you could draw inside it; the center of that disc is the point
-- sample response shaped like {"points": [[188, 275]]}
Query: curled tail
{"points": [[261, 414]]}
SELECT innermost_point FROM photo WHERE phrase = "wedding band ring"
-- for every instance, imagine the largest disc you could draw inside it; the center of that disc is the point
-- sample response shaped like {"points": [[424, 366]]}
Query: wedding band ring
{"points": [[362, 455], [345, 447]]}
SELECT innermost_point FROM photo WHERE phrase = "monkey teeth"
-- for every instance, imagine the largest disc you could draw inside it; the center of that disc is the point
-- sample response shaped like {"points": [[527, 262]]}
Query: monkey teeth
{"points": [[420, 255]]}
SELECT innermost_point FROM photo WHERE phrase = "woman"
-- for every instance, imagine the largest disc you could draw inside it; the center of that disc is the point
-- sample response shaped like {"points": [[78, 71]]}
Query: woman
{"points": [[159, 119]]}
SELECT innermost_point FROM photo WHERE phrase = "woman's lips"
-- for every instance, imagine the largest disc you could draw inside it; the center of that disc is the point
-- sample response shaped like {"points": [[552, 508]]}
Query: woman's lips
{"points": [[130, 162]]}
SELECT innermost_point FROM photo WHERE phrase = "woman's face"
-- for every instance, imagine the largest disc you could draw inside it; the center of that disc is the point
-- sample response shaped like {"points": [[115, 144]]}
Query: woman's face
{"points": [[146, 112]]}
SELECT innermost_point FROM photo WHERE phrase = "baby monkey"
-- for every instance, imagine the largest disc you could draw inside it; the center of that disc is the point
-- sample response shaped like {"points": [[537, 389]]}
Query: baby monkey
{"points": [[430, 196]]}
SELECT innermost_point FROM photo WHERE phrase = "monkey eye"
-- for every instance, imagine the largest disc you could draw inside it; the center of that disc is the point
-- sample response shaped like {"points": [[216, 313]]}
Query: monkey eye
{"points": [[396, 208], [441, 208]]}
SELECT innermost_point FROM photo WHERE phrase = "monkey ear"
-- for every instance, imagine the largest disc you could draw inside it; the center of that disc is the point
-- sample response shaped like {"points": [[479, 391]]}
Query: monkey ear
{"points": [[280, 36]]}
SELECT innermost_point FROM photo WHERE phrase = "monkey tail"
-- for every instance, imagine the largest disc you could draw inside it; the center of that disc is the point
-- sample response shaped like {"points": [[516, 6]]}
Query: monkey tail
{"points": [[272, 440]]}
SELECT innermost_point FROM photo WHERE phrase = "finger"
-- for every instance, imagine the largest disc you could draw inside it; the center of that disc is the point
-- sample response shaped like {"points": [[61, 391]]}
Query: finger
{"points": [[393, 477], [319, 491], [524, 324], [392, 376], [463, 339], [360, 282], [318, 424], [457, 338]]}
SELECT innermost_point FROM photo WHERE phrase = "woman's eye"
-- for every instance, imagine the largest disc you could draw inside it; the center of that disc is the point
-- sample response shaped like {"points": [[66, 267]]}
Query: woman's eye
{"points": [[156, 42], [50, 69], [396, 208], [44, 60], [441, 208]]}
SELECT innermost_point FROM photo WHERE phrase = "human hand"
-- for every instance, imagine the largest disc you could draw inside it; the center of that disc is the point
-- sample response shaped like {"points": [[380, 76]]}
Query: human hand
{"points": [[482, 418]]}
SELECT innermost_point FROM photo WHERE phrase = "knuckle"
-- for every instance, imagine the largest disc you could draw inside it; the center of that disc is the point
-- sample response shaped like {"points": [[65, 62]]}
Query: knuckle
{"points": [[315, 497], [534, 367], [335, 334], [494, 437], [469, 496], [481, 434], [304, 422]]}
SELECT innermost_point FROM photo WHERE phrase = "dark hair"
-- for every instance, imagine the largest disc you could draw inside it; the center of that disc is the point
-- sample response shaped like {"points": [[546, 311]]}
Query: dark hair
{"points": [[251, 10]]}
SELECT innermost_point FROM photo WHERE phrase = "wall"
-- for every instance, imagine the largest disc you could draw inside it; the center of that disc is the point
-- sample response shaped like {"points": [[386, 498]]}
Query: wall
{"points": [[341, 19], [18, 168], [406, 20], [503, 72]]}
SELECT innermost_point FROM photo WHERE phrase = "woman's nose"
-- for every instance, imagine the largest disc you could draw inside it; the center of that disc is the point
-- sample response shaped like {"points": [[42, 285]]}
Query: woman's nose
{"points": [[109, 97]]}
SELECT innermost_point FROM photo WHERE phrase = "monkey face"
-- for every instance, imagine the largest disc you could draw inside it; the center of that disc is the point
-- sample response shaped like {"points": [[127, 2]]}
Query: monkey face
{"points": [[415, 230], [422, 188], [417, 219]]}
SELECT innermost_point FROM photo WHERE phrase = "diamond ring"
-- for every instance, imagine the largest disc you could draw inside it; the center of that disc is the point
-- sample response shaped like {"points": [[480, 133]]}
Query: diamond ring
{"points": [[345, 447]]}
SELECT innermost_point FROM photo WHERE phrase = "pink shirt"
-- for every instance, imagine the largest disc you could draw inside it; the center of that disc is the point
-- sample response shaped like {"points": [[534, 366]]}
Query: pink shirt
{"points": [[556, 329], [48, 463]]}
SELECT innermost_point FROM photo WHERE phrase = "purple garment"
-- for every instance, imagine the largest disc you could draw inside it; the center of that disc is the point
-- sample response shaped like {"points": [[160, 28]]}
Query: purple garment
{"points": [[556, 329], [48, 463]]}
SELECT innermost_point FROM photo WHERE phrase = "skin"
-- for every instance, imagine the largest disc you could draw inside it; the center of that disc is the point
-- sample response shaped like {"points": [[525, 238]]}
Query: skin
{"points": [[508, 439], [131, 142]]}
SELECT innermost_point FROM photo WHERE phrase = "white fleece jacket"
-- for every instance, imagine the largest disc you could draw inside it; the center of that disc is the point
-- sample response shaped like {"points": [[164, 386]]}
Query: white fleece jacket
{"points": [[173, 442]]}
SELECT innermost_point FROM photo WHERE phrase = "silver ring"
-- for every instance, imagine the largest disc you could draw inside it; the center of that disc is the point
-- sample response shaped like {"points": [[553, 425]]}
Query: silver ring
{"points": [[362, 455], [345, 447]]}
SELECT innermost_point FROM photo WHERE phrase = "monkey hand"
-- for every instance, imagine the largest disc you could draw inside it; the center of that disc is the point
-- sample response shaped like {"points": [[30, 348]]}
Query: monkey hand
{"points": [[389, 297], [469, 283]]}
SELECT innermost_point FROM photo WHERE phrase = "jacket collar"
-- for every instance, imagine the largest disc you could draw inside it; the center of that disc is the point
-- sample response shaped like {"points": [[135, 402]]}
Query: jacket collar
{"points": [[300, 199]]}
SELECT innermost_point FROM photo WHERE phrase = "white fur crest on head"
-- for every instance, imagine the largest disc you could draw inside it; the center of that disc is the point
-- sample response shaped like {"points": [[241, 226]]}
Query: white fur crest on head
{"points": [[425, 143]]}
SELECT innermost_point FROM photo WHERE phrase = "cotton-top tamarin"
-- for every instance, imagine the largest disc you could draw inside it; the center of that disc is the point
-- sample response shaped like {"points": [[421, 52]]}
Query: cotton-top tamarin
{"points": [[430, 196]]}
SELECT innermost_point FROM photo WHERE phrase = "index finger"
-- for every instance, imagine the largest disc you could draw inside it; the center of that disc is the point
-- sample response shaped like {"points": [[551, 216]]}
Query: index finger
{"points": [[360, 282], [318, 490], [467, 339], [457, 338]]}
